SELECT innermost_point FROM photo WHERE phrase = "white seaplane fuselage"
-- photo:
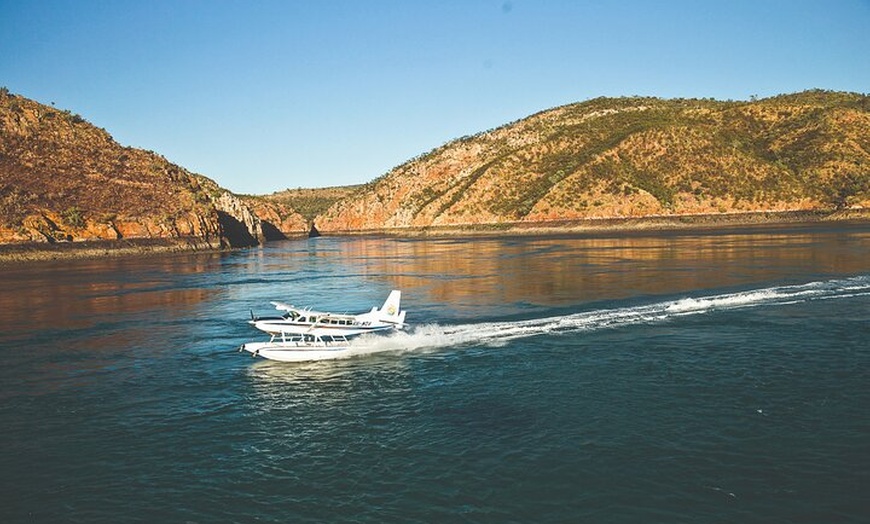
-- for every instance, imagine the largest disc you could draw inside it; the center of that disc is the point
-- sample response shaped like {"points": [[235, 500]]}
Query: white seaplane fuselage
{"points": [[304, 321]]}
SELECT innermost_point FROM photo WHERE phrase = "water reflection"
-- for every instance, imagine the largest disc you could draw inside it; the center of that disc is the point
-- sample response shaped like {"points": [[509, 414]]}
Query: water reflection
{"points": [[469, 273], [82, 294], [327, 385], [269, 373]]}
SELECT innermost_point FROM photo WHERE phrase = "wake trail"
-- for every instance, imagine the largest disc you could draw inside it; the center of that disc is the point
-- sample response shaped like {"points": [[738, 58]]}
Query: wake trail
{"points": [[499, 333]]}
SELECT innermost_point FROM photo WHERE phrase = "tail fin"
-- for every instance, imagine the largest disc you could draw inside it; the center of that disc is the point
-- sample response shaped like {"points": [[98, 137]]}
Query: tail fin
{"points": [[390, 311]]}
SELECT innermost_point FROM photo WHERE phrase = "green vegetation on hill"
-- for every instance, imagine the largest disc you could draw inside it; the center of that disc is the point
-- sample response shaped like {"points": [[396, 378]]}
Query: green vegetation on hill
{"points": [[310, 203]]}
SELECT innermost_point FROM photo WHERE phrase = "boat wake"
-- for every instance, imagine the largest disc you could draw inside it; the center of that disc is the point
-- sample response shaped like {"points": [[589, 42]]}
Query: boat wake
{"points": [[433, 336]]}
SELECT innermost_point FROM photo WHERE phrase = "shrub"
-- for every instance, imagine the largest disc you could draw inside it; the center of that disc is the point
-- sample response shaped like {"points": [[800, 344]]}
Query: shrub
{"points": [[73, 217]]}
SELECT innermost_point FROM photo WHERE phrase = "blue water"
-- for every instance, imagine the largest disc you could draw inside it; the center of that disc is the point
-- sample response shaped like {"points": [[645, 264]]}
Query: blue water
{"points": [[671, 377]]}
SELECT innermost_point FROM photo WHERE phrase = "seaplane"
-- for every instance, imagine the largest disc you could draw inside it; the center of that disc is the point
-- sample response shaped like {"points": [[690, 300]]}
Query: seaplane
{"points": [[304, 321]]}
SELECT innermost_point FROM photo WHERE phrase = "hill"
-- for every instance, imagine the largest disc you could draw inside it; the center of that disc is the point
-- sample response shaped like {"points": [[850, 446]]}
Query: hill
{"points": [[63, 179], [631, 157], [312, 202]]}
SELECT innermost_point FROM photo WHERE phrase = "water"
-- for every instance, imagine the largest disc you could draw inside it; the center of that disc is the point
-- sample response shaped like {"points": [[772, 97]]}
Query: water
{"points": [[715, 377]]}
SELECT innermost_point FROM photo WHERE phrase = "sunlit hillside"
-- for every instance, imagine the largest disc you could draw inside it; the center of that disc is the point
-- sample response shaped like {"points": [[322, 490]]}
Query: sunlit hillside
{"points": [[632, 157], [64, 179]]}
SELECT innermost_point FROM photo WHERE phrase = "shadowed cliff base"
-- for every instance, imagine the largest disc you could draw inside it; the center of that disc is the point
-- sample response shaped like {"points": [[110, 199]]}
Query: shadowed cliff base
{"points": [[235, 232], [271, 232]]}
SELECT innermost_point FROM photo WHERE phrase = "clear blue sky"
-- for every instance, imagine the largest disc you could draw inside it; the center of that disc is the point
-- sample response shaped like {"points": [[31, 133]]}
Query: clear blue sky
{"points": [[266, 95]]}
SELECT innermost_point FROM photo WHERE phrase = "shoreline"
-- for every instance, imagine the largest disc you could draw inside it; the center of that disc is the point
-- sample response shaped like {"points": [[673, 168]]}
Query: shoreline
{"points": [[19, 253], [654, 223]]}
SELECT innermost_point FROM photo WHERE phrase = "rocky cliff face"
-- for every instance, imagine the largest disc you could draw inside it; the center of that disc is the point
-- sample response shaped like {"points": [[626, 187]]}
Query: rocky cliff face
{"points": [[62, 179], [279, 220], [237, 220], [632, 157]]}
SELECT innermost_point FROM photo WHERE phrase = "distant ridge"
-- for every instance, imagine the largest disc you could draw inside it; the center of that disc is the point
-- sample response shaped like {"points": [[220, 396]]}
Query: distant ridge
{"points": [[618, 158]]}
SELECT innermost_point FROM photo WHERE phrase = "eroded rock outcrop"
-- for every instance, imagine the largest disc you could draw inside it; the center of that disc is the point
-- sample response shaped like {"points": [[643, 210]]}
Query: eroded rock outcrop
{"points": [[278, 220], [239, 225]]}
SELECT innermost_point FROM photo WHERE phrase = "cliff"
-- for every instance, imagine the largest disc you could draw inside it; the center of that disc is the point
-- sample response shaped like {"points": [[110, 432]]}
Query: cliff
{"points": [[280, 220], [631, 157], [63, 179]]}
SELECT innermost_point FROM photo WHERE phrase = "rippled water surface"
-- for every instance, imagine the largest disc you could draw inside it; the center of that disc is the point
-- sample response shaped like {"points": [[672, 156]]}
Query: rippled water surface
{"points": [[672, 377]]}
